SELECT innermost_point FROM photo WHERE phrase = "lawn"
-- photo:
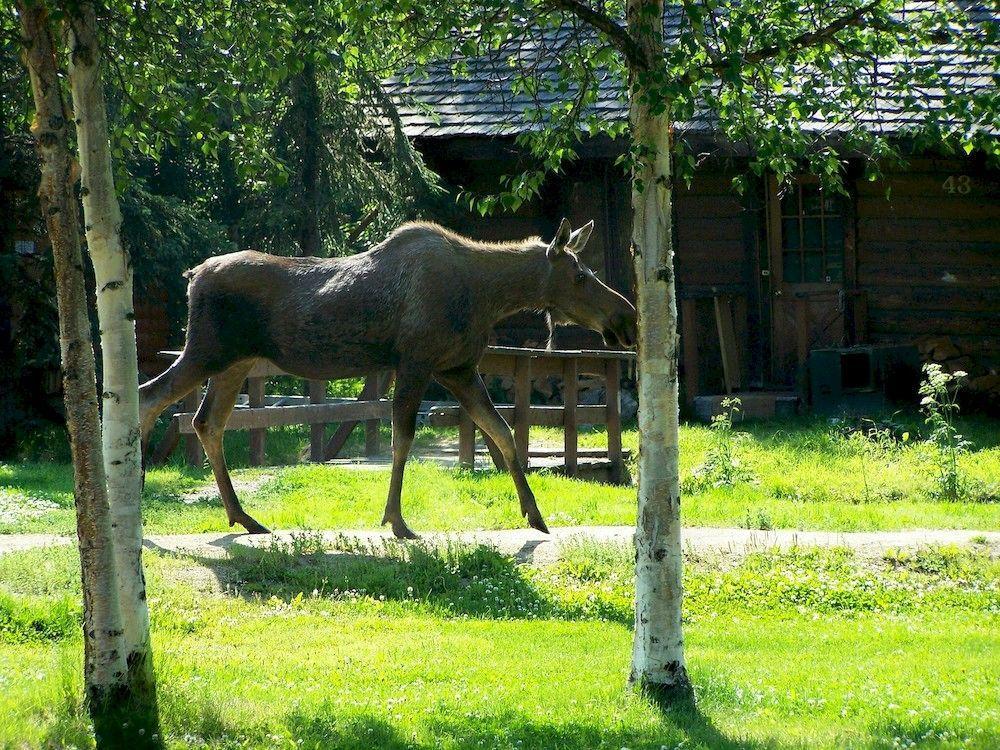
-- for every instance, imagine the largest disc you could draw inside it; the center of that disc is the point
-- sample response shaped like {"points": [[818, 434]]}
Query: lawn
{"points": [[804, 474], [458, 647]]}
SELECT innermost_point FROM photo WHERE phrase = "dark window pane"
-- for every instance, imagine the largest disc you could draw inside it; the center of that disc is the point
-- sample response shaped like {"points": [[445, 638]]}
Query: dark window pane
{"points": [[790, 202], [811, 199], [831, 204], [791, 267], [812, 233], [834, 273], [835, 234], [790, 233], [812, 270]]}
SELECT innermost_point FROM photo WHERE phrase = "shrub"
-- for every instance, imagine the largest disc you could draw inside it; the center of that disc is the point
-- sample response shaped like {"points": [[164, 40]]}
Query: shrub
{"points": [[940, 406]]}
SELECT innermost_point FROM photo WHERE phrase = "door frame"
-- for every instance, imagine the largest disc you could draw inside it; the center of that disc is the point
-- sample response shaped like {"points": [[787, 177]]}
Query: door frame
{"points": [[769, 258]]}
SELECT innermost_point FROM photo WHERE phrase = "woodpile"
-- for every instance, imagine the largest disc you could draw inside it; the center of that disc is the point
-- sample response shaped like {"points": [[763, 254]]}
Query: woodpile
{"points": [[981, 387]]}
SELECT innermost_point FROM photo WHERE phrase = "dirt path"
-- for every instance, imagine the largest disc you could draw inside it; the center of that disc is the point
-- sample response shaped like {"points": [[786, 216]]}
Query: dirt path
{"points": [[531, 546]]}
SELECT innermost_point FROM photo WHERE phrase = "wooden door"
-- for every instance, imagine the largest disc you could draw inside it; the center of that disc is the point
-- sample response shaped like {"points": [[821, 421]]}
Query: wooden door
{"points": [[807, 228]]}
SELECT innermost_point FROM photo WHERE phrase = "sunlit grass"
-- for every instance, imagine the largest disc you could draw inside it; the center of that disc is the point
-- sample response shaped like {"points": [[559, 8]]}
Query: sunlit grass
{"points": [[460, 648], [806, 475]]}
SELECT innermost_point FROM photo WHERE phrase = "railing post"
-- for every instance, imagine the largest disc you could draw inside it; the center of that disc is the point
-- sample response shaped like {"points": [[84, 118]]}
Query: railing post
{"points": [[193, 453], [255, 393], [317, 395], [522, 407], [612, 383], [570, 392], [373, 441], [466, 439]]}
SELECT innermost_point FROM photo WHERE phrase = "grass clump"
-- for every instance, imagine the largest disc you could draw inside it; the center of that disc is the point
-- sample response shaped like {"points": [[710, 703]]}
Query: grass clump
{"points": [[31, 619]]}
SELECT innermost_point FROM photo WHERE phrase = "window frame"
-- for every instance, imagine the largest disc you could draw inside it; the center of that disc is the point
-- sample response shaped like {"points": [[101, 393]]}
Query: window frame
{"points": [[776, 237]]}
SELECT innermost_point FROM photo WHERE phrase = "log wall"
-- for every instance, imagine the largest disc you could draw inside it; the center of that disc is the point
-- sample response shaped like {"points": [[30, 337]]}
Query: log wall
{"points": [[929, 255]]}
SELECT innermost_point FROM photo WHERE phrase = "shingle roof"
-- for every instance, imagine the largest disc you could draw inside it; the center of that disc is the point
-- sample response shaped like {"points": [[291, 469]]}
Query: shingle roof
{"points": [[479, 98]]}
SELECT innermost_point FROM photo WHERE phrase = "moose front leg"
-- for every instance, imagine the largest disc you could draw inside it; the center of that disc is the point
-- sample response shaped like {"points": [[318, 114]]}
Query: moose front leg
{"points": [[468, 387], [410, 387]]}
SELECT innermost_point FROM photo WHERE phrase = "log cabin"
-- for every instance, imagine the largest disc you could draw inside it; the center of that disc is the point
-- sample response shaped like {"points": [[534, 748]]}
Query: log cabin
{"points": [[764, 278]]}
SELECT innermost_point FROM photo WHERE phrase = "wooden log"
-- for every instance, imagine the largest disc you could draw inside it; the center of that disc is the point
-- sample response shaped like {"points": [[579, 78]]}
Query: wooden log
{"points": [[727, 342], [613, 415], [522, 408], [317, 395], [281, 416], [570, 437], [258, 438], [193, 453]]}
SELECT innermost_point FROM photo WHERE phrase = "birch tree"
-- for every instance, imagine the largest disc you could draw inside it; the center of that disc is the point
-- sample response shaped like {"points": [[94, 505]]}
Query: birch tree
{"points": [[105, 665], [120, 390], [658, 642]]}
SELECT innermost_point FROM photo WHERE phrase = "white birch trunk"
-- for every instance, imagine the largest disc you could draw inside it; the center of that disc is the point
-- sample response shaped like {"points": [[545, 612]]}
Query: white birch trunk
{"points": [[105, 667], [658, 646], [113, 272]]}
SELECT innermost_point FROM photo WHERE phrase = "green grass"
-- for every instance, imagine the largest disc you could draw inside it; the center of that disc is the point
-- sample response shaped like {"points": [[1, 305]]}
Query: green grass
{"points": [[457, 647], [806, 475]]}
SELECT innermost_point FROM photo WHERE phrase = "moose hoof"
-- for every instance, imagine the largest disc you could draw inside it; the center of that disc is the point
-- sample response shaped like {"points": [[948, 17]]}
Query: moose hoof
{"points": [[535, 521], [252, 526], [399, 528]]}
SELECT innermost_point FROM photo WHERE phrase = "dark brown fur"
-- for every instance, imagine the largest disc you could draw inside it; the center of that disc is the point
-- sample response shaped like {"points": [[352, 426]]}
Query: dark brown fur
{"points": [[422, 303]]}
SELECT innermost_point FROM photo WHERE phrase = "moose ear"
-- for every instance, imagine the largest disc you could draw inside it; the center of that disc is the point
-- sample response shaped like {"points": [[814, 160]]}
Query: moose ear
{"points": [[578, 240], [562, 238]]}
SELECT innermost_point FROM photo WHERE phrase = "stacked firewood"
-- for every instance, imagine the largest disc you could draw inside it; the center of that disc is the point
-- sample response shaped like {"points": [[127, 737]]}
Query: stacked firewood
{"points": [[981, 387]]}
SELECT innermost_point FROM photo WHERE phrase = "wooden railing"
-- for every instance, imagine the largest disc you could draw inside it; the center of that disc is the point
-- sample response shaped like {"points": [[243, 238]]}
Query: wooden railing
{"points": [[524, 365]]}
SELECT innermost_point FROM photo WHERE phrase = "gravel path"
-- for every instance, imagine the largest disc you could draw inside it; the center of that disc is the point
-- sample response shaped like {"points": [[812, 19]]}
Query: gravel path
{"points": [[531, 546]]}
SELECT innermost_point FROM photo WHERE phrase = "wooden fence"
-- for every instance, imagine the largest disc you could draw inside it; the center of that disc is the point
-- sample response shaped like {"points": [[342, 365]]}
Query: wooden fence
{"points": [[371, 407]]}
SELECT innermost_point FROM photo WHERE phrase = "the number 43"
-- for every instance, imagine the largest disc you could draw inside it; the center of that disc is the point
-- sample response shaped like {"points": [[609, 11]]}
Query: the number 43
{"points": [[960, 184]]}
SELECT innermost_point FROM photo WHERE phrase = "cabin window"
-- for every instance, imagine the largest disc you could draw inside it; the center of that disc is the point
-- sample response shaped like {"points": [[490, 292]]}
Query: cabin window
{"points": [[812, 235]]}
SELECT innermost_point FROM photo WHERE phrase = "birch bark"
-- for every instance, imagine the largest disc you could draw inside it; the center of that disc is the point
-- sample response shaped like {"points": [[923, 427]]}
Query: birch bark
{"points": [[113, 273], [658, 645], [104, 652]]}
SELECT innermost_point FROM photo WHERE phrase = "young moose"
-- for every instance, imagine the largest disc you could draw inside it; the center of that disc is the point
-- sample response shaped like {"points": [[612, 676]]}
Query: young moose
{"points": [[422, 303]]}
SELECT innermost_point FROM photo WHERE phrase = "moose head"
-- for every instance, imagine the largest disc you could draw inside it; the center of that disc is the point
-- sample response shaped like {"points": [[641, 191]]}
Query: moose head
{"points": [[575, 295]]}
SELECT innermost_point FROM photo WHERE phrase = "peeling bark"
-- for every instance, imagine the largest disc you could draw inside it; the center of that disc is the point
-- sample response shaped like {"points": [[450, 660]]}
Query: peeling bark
{"points": [[105, 665], [658, 646], [113, 272]]}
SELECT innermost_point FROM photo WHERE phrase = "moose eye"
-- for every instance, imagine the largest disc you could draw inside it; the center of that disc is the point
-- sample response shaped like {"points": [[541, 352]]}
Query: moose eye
{"points": [[580, 277]]}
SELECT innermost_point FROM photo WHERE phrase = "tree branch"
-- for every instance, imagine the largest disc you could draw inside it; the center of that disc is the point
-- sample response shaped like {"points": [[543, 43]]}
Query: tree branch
{"points": [[807, 39], [617, 34]]}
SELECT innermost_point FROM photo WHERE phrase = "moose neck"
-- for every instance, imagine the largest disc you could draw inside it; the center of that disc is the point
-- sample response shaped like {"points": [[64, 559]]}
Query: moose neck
{"points": [[511, 281]]}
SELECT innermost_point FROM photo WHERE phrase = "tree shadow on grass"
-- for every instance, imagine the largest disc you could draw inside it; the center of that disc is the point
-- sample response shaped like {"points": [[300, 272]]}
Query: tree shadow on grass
{"points": [[452, 579], [508, 729]]}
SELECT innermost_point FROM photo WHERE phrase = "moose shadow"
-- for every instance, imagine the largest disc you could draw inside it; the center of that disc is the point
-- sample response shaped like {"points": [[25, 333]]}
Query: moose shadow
{"points": [[453, 579]]}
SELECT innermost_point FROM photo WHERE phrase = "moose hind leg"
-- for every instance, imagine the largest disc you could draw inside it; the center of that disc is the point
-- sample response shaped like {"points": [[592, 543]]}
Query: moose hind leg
{"points": [[405, 404], [210, 424], [168, 387], [468, 388]]}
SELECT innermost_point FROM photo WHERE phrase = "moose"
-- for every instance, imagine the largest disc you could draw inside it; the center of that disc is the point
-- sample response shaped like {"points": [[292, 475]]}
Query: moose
{"points": [[421, 303]]}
